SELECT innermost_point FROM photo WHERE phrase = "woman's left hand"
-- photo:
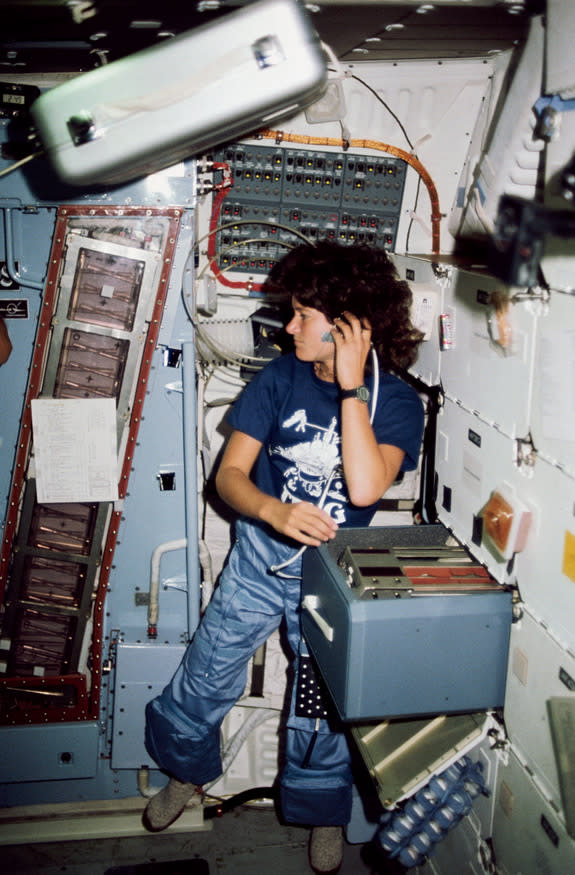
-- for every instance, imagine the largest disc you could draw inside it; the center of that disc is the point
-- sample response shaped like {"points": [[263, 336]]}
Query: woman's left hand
{"points": [[352, 338]]}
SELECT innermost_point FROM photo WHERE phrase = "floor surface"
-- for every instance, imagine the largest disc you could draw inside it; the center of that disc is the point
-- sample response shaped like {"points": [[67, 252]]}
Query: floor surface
{"points": [[244, 841]]}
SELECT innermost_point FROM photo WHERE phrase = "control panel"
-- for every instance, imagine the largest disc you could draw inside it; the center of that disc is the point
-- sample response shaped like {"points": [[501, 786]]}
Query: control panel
{"points": [[283, 194]]}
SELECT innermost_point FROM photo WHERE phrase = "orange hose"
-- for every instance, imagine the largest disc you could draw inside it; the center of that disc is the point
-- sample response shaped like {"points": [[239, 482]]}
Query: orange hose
{"points": [[410, 159]]}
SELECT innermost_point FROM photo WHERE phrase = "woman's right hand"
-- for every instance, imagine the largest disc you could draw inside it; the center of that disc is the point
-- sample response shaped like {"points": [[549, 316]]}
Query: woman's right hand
{"points": [[302, 521]]}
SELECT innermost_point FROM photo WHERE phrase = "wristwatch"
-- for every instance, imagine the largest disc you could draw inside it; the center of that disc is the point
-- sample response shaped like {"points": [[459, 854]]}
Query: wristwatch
{"points": [[360, 392]]}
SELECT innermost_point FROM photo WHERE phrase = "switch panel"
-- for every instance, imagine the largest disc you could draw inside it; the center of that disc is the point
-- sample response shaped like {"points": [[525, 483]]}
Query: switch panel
{"points": [[340, 196]]}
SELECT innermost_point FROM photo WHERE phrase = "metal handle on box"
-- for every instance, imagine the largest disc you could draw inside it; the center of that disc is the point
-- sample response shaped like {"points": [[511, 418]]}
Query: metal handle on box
{"points": [[311, 604]]}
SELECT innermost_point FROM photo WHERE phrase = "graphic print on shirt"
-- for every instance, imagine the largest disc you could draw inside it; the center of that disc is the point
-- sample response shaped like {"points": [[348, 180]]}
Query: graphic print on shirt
{"points": [[316, 464]]}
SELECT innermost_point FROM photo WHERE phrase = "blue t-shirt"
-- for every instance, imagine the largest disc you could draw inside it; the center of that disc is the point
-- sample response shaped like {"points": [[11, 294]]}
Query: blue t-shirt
{"points": [[296, 416]]}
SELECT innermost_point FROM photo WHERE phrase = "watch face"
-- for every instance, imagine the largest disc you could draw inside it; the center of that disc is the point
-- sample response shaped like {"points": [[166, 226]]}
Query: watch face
{"points": [[363, 393]]}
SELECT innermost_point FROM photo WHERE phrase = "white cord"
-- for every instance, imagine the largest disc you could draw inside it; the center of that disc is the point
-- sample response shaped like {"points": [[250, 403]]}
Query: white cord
{"points": [[375, 393], [277, 569]]}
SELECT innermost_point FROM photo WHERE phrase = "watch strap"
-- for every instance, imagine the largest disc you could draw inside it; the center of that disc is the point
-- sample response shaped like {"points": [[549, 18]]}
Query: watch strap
{"points": [[360, 392]]}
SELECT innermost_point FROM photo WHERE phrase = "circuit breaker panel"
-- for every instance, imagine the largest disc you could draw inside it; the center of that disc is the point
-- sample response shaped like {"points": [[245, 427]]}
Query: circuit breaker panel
{"points": [[279, 193]]}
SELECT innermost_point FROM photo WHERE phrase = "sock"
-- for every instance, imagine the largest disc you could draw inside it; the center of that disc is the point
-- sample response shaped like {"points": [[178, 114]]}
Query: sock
{"points": [[167, 805], [326, 848]]}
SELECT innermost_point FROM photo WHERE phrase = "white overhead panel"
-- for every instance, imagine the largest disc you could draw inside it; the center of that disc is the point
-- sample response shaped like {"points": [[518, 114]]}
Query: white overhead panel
{"points": [[560, 72], [503, 158], [557, 112]]}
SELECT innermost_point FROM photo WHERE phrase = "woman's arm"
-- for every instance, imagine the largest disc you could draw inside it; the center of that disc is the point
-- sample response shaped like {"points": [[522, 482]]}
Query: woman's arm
{"points": [[5, 343], [302, 521], [370, 468]]}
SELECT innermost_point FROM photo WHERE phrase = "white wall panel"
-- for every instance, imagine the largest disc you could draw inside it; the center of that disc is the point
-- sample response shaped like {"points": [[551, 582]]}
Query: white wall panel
{"points": [[421, 277], [478, 373], [459, 851], [537, 665], [472, 460], [529, 837], [465, 849], [546, 568], [553, 419], [489, 756]]}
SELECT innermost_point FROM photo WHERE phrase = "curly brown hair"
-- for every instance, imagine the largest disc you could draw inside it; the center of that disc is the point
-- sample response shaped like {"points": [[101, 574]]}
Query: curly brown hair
{"points": [[362, 279]]}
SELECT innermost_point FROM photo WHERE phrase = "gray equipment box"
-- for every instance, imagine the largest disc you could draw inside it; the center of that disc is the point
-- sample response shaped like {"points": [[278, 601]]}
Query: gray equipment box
{"points": [[210, 85], [402, 625]]}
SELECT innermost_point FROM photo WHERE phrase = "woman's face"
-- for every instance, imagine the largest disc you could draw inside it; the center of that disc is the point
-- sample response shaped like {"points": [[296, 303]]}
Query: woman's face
{"points": [[309, 328]]}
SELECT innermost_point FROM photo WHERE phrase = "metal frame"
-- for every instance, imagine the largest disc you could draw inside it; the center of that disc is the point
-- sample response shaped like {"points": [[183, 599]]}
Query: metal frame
{"points": [[84, 685]]}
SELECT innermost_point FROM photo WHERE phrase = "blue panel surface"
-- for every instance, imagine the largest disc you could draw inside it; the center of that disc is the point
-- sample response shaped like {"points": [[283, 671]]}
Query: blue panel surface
{"points": [[51, 752], [31, 263], [142, 671]]}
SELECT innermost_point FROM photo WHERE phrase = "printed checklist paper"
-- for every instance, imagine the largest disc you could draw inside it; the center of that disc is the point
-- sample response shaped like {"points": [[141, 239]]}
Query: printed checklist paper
{"points": [[75, 452]]}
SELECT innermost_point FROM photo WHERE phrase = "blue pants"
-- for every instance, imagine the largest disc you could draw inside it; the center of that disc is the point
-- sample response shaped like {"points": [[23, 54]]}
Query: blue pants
{"points": [[183, 723]]}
